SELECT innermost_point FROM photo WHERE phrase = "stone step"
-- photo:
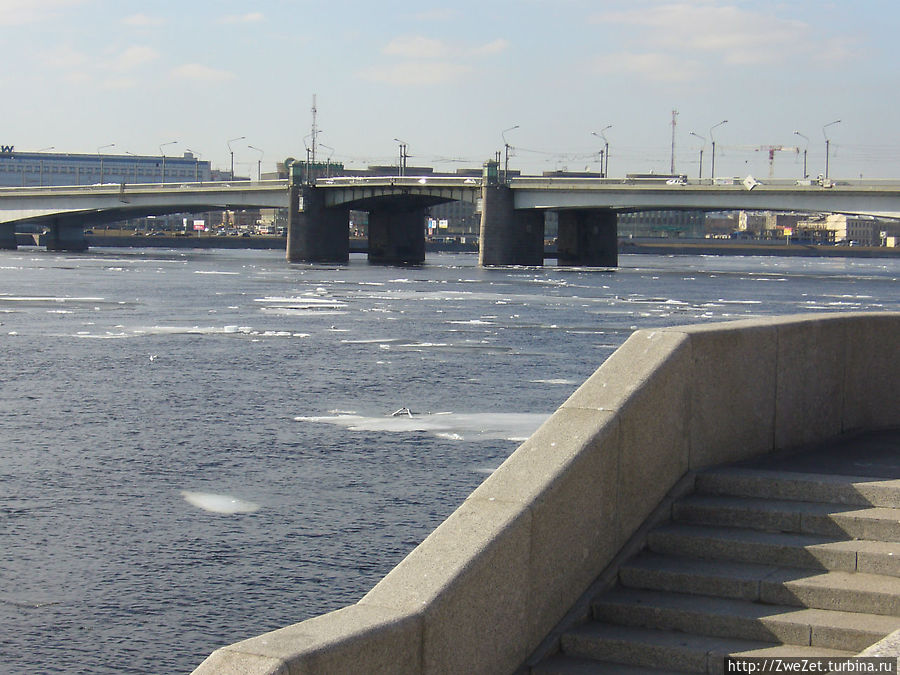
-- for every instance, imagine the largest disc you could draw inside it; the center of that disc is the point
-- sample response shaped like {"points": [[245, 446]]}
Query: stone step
{"points": [[670, 650], [835, 489], [560, 664], [838, 590], [776, 548], [729, 618], [874, 523]]}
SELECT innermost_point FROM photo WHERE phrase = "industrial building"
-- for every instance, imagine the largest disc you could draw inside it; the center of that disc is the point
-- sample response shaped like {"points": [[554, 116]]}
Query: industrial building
{"points": [[36, 169]]}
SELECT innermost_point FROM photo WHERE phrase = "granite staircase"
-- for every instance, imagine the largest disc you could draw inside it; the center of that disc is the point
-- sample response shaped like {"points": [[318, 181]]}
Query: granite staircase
{"points": [[755, 562]]}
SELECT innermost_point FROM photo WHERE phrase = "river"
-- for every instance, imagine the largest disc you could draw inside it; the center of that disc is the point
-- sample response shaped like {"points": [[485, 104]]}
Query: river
{"points": [[198, 446]]}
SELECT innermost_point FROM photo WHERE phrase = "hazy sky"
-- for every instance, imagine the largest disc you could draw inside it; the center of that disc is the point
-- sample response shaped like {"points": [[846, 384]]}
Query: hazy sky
{"points": [[449, 77]]}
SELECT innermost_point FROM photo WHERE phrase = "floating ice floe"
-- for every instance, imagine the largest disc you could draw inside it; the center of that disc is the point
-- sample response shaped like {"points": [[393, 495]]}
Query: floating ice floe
{"points": [[448, 425], [216, 503]]}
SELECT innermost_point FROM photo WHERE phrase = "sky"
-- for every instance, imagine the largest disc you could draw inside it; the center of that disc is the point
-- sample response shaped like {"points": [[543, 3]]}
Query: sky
{"points": [[455, 81]]}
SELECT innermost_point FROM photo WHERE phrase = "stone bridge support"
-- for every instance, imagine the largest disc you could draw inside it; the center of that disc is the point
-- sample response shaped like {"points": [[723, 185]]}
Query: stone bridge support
{"points": [[397, 236], [8, 236], [587, 237], [63, 236], [509, 236], [316, 233]]}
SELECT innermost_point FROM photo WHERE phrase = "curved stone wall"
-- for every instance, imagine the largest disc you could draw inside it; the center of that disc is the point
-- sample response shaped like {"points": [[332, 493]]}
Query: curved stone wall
{"points": [[481, 592]]}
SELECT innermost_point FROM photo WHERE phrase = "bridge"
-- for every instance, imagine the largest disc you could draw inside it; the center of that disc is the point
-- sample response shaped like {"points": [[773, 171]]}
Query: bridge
{"points": [[512, 209]]}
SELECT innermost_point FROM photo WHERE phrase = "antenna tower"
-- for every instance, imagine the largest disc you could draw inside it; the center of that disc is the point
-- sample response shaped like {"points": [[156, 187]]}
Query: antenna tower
{"points": [[315, 129], [674, 122]]}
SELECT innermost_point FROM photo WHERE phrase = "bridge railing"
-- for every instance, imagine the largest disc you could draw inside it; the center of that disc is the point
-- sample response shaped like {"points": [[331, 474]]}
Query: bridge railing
{"points": [[400, 181], [143, 187]]}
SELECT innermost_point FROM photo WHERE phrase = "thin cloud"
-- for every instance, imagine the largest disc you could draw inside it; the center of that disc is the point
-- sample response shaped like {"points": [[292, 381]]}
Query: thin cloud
{"points": [[64, 57], [417, 47], [250, 17], [20, 12], [428, 61], [495, 47], [134, 57], [201, 73], [420, 47], [737, 36], [437, 15], [119, 83], [144, 21], [655, 66], [415, 73]]}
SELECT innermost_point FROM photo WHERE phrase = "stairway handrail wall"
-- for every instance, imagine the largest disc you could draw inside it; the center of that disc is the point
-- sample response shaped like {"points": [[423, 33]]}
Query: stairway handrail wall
{"points": [[482, 590]]}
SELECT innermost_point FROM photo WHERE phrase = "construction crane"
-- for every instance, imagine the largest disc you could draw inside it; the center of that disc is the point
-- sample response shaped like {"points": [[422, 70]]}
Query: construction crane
{"points": [[771, 149]]}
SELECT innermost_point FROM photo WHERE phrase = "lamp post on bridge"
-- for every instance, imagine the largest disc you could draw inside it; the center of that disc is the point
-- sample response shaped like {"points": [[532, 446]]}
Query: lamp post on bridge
{"points": [[135, 167], [506, 147], [228, 143], [712, 170], [827, 144], [604, 158], [797, 133], [197, 157], [403, 156], [162, 176], [700, 173], [52, 147], [327, 159], [102, 147], [258, 162]]}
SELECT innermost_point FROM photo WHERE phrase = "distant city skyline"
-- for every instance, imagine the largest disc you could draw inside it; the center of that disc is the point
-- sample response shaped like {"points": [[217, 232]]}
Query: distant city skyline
{"points": [[448, 79]]}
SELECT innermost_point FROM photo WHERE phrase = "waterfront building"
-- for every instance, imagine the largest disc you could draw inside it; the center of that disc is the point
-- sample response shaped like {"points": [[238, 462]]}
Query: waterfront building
{"points": [[670, 224], [36, 169]]}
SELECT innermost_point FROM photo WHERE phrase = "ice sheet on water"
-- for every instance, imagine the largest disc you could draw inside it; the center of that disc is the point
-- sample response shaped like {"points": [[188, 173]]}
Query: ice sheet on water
{"points": [[218, 503], [45, 298], [300, 302], [145, 331], [448, 425]]}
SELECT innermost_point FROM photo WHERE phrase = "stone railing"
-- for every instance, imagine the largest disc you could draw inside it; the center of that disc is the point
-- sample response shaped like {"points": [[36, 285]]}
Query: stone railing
{"points": [[482, 591]]}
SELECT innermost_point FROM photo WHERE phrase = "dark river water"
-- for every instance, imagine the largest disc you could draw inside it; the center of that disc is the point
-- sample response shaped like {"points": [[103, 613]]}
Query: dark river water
{"points": [[197, 447]]}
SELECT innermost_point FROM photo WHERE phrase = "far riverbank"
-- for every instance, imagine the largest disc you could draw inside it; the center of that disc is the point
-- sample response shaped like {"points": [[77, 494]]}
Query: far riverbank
{"points": [[630, 246]]}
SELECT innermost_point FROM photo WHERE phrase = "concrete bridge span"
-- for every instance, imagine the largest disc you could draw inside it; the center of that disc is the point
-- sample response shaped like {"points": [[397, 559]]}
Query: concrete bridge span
{"points": [[512, 211], [66, 210]]}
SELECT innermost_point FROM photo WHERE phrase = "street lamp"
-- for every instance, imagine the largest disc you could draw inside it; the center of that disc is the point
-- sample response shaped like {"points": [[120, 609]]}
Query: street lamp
{"points": [[712, 170], [228, 143], [327, 159], [604, 163], [700, 173], [506, 156], [197, 157], [162, 176], [258, 162], [403, 156], [135, 167], [103, 147], [51, 147], [827, 144], [805, 150]]}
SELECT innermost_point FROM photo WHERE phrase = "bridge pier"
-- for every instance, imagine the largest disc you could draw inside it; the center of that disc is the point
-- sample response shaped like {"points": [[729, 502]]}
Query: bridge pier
{"points": [[587, 237], [8, 236], [316, 233], [509, 236], [397, 237], [65, 237]]}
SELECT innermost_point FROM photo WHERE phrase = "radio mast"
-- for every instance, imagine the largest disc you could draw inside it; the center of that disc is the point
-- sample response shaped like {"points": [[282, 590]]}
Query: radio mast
{"points": [[674, 122], [315, 130]]}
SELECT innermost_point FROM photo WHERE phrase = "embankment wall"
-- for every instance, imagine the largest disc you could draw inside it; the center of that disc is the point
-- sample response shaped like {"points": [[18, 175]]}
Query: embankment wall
{"points": [[482, 591]]}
